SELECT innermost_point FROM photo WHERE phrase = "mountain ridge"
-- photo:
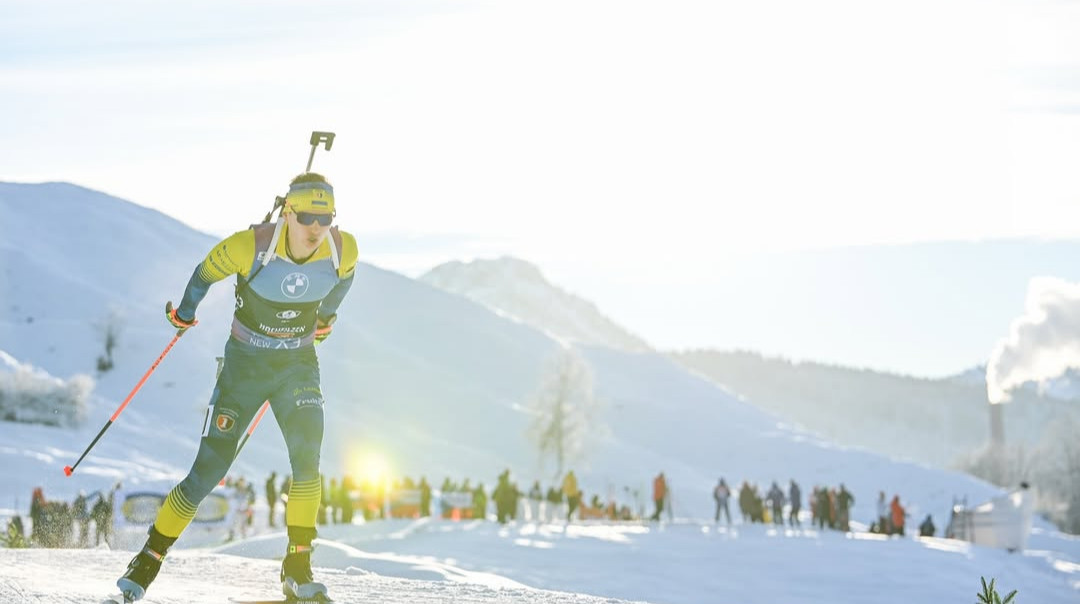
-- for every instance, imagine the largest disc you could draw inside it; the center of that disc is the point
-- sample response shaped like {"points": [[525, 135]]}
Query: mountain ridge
{"points": [[519, 289]]}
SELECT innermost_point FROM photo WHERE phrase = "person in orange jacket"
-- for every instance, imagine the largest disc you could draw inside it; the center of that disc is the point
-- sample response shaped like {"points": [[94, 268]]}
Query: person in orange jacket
{"points": [[659, 494], [897, 511]]}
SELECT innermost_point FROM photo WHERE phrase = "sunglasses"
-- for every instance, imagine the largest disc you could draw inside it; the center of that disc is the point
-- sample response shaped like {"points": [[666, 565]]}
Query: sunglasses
{"points": [[309, 218]]}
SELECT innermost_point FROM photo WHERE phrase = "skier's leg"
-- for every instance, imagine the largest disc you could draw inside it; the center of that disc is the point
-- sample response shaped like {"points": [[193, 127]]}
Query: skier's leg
{"points": [[176, 513], [298, 406], [226, 418]]}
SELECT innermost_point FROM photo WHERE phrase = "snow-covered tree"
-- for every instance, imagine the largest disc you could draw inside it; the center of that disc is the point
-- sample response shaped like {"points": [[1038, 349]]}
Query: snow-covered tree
{"points": [[31, 396], [1059, 474], [564, 410]]}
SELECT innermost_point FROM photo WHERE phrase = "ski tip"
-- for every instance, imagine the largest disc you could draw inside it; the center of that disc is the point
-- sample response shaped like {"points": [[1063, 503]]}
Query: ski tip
{"points": [[68, 470]]}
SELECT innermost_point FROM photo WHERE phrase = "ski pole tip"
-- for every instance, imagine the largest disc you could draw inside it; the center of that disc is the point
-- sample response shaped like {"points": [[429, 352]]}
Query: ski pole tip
{"points": [[68, 470]]}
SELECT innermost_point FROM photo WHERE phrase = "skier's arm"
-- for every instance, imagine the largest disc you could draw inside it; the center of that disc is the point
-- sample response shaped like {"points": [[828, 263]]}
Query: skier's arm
{"points": [[233, 255], [332, 301]]}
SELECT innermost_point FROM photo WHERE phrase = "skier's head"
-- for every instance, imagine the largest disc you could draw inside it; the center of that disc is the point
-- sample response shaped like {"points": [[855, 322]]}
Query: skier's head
{"points": [[310, 193]]}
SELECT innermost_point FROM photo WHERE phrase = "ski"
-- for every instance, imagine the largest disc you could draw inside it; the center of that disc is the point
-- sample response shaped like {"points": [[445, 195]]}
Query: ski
{"points": [[115, 599], [282, 601]]}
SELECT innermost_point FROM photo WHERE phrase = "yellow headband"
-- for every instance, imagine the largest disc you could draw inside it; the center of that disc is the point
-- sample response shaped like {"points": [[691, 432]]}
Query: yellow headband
{"points": [[310, 197]]}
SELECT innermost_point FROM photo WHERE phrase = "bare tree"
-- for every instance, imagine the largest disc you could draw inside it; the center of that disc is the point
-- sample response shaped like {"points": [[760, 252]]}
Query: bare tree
{"points": [[109, 328], [1059, 476], [564, 410]]}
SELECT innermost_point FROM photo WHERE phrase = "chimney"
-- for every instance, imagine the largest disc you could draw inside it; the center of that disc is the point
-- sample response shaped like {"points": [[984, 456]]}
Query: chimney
{"points": [[997, 426]]}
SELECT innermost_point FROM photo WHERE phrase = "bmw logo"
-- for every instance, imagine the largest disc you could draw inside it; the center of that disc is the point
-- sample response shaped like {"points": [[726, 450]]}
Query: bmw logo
{"points": [[294, 285]]}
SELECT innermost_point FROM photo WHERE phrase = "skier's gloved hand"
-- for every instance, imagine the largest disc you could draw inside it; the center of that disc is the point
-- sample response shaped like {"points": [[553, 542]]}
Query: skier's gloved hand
{"points": [[323, 327], [177, 322]]}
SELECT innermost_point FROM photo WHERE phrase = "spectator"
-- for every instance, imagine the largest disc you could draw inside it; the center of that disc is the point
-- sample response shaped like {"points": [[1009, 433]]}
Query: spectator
{"points": [[898, 514], [573, 495], [479, 510], [425, 497], [721, 494], [884, 525], [795, 497], [102, 516], [271, 495], [659, 495], [776, 498], [927, 528], [554, 502], [504, 497], [37, 514], [822, 507], [832, 507], [345, 503], [80, 511], [745, 502], [844, 501]]}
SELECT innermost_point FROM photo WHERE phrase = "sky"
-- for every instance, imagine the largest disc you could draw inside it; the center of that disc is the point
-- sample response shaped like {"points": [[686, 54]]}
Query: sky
{"points": [[627, 148]]}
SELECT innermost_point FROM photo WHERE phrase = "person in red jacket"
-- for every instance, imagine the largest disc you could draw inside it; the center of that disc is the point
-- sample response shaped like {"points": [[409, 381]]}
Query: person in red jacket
{"points": [[659, 494], [897, 512]]}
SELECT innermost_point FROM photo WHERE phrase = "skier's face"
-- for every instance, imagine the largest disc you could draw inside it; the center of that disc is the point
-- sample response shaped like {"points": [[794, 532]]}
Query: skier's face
{"points": [[304, 239]]}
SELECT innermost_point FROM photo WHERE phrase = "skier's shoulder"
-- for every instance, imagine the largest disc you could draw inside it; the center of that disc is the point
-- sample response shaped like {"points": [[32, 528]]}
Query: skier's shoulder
{"points": [[231, 255], [348, 249]]}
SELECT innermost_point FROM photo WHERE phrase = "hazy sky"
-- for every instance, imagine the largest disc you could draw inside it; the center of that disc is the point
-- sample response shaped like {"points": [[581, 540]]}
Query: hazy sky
{"points": [[625, 147]]}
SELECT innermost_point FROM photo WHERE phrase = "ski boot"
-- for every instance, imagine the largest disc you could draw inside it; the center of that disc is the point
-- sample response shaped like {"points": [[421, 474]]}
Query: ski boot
{"points": [[297, 582], [144, 567]]}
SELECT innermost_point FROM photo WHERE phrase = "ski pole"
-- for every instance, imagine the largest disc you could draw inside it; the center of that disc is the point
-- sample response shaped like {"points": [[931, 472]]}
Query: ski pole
{"points": [[69, 469], [251, 428]]}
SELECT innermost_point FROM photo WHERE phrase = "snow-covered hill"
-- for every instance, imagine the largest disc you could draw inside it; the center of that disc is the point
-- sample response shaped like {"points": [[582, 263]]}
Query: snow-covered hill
{"points": [[517, 289], [429, 381]]}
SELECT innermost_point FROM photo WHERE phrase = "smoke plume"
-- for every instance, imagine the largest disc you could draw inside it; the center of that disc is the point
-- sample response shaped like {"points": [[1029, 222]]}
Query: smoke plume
{"points": [[1042, 343]]}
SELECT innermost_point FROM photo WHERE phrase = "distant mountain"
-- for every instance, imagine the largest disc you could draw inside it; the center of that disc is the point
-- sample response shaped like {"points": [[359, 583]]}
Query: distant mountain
{"points": [[430, 382], [933, 421], [518, 290]]}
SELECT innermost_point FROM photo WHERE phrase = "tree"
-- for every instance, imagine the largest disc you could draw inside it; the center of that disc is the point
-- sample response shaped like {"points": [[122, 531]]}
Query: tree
{"points": [[1058, 478], [109, 328], [564, 409]]}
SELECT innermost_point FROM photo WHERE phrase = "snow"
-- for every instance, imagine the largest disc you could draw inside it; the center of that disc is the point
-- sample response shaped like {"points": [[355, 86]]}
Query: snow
{"points": [[434, 384], [404, 561]]}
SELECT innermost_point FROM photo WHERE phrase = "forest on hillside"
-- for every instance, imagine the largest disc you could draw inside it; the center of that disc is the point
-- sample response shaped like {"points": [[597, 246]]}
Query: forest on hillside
{"points": [[933, 421]]}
